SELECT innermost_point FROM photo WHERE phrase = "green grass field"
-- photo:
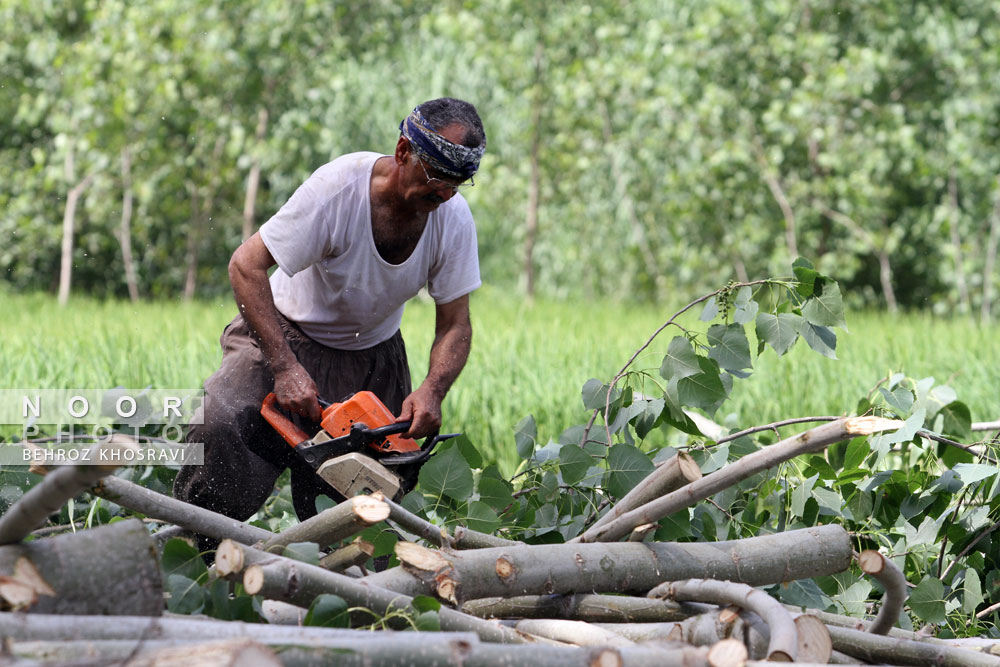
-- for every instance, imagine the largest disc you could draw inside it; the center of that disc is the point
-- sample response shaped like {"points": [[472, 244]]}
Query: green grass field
{"points": [[527, 358]]}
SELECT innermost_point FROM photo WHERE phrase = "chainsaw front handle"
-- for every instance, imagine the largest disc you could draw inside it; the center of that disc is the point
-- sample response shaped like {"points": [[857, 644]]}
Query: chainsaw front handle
{"points": [[292, 434]]}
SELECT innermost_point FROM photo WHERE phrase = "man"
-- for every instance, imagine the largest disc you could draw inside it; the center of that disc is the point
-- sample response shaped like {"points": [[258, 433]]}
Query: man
{"points": [[357, 240]]}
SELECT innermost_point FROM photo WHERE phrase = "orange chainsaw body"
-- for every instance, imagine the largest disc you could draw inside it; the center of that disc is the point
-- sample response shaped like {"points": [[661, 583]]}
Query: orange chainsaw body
{"points": [[364, 407]]}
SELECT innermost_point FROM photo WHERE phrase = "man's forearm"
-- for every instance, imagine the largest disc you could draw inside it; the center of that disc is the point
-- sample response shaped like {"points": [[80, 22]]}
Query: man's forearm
{"points": [[252, 292], [449, 352]]}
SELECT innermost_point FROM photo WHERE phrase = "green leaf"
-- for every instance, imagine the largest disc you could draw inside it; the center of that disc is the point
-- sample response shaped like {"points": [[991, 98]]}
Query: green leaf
{"points": [[496, 493], [729, 346], [647, 420], [323, 503], [821, 339], [802, 593], [680, 361], [854, 598], [704, 390], [827, 499], [481, 517], [574, 463], [806, 275], [973, 592], [424, 603], [710, 311], [525, 435], [899, 399], [957, 420], [826, 309], [186, 596], [802, 493], [627, 466], [779, 331], [469, 451], [970, 473], [306, 552], [927, 600], [447, 474], [179, 557], [428, 621], [595, 394], [860, 506], [327, 611], [219, 605], [857, 451]]}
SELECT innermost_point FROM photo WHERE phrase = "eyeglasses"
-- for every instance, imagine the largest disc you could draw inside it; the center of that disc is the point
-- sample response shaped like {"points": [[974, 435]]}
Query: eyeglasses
{"points": [[439, 184]]}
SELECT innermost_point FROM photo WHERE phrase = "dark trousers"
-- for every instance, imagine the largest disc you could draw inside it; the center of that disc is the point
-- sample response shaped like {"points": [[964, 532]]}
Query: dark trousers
{"points": [[244, 455]]}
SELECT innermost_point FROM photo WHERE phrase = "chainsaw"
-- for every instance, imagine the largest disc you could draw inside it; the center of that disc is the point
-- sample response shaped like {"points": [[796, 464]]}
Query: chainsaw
{"points": [[359, 447]]}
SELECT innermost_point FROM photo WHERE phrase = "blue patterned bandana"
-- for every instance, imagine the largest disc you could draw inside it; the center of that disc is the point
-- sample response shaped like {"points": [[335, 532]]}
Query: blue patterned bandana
{"points": [[448, 158]]}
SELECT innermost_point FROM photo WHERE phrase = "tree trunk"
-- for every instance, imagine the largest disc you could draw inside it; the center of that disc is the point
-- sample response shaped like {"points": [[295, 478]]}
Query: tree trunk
{"points": [[991, 257], [626, 567], [956, 242], [69, 216], [774, 185], [813, 440], [253, 178], [125, 231], [111, 569], [534, 186], [199, 217], [885, 279]]}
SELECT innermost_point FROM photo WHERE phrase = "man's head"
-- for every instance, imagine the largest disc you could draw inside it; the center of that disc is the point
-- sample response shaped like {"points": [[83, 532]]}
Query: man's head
{"points": [[456, 156]]}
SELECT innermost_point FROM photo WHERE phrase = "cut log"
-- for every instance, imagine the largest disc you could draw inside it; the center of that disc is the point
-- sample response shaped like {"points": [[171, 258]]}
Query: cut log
{"points": [[110, 569], [678, 471], [813, 440], [61, 484], [196, 519], [466, 538], [356, 553], [577, 633], [227, 653], [628, 567], [277, 612], [815, 644], [784, 642], [728, 653], [886, 573], [332, 525]]}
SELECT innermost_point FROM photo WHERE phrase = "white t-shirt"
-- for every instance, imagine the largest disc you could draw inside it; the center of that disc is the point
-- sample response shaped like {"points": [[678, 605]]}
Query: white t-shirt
{"points": [[332, 281]]}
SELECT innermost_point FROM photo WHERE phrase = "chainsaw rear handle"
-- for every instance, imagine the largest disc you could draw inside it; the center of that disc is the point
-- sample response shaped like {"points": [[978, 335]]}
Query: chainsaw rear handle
{"points": [[292, 434]]}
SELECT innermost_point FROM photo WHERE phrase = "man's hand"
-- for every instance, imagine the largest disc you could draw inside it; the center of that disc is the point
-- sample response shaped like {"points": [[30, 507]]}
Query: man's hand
{"points": [[423, 408], [296, 391]]}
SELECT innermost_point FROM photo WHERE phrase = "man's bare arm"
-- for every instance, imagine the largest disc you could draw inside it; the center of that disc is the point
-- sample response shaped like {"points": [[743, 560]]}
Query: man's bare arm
{"points": [[449, 352], [248, 268]]}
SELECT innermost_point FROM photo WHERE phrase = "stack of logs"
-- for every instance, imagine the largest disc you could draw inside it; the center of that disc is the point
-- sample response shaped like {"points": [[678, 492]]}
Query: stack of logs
{"points": [[592, 601]]}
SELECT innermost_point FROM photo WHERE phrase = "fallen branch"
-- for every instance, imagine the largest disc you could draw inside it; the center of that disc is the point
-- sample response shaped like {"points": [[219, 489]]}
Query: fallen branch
{"points": [[110, 569], [196, 519], [678, 471], [48, 496], [277, 612], [585, 607], [812, 440], [625, 567], [332, 525], [773, 427], [878, 648], [886, 573], [577, 633], [783, 644], [298, 583]]}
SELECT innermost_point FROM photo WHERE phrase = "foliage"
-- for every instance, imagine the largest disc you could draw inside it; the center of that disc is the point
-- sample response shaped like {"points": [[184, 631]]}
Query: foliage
{"points": [[677, 145]]}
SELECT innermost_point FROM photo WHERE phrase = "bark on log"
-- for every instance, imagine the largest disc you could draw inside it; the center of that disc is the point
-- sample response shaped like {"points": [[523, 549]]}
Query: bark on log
{"points": [[111, 569], [332, 525], [466, 538], [196, 519], [878, 648], [591, 608], [227, 653], [277, 612], [886, 573], [812, 440], [626, 567], [784, 642], [679, 471], [58, 486], [355, 553], [298, 583]]}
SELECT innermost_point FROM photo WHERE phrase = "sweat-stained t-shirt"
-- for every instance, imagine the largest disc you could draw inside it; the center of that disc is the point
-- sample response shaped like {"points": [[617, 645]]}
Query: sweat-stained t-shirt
{"points": [[333, 283]]}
